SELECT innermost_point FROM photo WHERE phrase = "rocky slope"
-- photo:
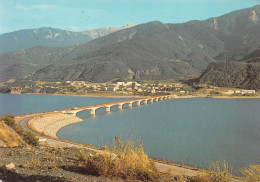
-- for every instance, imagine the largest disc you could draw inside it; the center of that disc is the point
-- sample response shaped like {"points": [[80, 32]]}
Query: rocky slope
{"points": [[43, 164]]}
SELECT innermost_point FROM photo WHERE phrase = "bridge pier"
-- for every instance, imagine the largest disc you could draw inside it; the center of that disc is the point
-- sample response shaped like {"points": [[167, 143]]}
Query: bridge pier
{"points": [[108, 109], [130, 105], [93, 111], [151, 100], [138, 103], [120, 106]]}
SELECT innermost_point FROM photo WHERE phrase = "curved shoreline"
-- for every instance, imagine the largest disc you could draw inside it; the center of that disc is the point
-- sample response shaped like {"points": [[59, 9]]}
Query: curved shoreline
{"points": [[49, 124], [59, 120], [54, 121], [172, 167]]}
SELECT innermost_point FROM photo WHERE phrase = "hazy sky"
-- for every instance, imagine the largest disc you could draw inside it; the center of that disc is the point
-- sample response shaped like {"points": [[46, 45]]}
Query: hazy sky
{"points": [[79, 15]]}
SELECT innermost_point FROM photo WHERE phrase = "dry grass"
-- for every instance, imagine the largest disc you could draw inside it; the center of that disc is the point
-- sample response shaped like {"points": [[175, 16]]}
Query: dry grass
{"points": [[129, 163], [27, 136], [201, 178], [11, 138], [40, 164], [252, 173], [220, 171]]}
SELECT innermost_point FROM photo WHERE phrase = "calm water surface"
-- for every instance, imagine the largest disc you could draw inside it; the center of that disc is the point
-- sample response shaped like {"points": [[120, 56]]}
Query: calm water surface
{"points": [[193, 131], [20, 104]]}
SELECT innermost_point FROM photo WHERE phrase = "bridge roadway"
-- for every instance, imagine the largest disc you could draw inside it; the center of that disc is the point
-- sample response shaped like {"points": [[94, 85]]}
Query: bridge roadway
{"points": [[120, 104]]}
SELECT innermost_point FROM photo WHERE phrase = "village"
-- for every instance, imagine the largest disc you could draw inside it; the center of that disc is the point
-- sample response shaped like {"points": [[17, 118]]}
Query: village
{"points": [[125, 88]]}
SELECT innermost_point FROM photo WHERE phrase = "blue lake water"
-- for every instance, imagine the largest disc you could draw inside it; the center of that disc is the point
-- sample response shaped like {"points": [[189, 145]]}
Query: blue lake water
{"points": [[20, 104], [193, 131]]}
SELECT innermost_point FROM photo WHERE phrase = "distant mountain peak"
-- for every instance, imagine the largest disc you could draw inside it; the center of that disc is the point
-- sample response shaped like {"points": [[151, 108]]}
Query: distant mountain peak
{"points": [[253, 17], [96, 33], [129, 25]]}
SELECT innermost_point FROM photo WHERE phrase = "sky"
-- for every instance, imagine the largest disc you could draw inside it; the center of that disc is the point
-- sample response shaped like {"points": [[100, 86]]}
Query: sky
{"points": [[80, 15]]}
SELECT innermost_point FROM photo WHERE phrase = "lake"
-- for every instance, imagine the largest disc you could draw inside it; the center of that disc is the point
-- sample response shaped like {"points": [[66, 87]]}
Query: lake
{"points": [[20, 104], [192, 131]]}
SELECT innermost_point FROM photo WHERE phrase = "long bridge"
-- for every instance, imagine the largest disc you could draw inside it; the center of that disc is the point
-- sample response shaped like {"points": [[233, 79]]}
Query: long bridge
{"points": [[120, 104]]}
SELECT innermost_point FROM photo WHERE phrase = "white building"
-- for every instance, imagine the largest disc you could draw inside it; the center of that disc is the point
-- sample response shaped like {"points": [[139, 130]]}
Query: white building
{"points": [[245, 92]]}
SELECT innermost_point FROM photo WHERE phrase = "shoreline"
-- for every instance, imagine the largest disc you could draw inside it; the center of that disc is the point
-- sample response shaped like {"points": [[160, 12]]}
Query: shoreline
{"points": [[50, 124], [140, 96], [90, 95], [57, 124], [214, 97], [171, 167]]}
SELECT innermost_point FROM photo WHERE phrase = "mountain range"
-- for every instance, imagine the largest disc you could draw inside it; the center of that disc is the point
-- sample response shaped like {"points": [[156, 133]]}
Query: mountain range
{"points": [[234, 74], [51, 37], [150, 51]]}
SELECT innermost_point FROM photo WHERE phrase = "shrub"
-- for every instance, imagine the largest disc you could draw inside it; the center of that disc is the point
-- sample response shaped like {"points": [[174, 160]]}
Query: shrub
{"points": [[9, 136], [200, 178], [101, 164], [130, 162], [10, 121], [30, 138], [252, 173], [27, 136], [220, 172]]}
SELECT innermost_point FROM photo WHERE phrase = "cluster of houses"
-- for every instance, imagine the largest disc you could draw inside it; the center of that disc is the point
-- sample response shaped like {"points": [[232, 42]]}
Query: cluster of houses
{"points": [[239, 92], [128, 87]]}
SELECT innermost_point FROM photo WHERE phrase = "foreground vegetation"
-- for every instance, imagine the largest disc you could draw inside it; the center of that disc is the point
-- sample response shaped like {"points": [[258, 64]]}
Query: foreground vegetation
{"points": [[125, 160], [11, 138], [129, 162]]}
